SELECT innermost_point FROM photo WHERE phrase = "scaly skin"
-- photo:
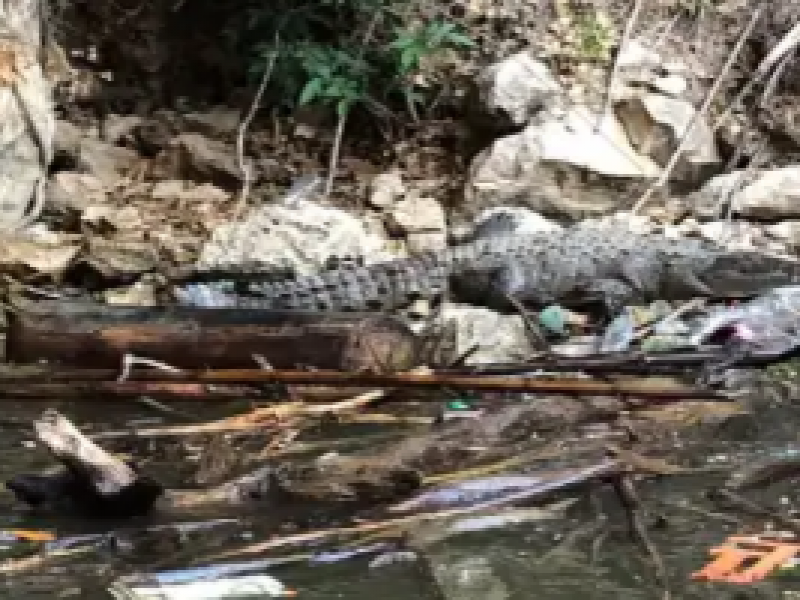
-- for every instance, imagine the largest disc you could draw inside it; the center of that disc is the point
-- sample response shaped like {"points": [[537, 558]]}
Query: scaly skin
{"points": [[573, 267]]}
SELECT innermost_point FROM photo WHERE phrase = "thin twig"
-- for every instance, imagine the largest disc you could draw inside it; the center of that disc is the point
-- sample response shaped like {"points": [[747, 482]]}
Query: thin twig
{"points": [[781, 49], [710, 95], [772, 84], [244, 167], [612, 78], [334, 160], [340, 125], [630, 501]]}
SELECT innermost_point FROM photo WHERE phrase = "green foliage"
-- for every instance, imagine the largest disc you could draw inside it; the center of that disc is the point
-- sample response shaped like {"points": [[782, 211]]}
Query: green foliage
{"points": [[341, 53], [596, 36]]}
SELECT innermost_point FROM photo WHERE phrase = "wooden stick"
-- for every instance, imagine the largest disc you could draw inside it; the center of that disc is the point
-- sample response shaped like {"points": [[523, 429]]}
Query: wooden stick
{"points": [[101, 382]]}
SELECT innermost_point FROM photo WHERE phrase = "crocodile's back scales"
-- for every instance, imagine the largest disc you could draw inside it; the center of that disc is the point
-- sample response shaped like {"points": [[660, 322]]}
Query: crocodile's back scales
{"points": [[567, 266]]}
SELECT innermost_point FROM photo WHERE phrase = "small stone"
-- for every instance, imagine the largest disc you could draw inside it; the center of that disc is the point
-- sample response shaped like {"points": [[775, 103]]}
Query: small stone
{"points": [[419, 215], [386, 189], [219, 122], [167, 190], [672, 85]]}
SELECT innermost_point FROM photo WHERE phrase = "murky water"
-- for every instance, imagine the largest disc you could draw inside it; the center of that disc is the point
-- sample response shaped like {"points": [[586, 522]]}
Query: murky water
{"points": [[588, 554]]}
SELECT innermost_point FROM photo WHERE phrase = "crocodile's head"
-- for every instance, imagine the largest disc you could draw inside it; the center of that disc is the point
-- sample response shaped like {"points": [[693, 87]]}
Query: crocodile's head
{"points": [[738, 274]]}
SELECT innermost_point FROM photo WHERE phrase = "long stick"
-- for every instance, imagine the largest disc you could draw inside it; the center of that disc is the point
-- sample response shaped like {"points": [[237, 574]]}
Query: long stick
{"points": [[101, 381]]}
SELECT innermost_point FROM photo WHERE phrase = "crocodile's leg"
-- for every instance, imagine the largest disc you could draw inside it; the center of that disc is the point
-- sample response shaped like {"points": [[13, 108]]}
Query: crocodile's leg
{"points": [[611, 295]]}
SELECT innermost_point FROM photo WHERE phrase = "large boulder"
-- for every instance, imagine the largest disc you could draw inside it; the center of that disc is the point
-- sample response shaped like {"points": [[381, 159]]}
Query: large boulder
{"points": [[512, 90], [296, 236], [570, 166]]}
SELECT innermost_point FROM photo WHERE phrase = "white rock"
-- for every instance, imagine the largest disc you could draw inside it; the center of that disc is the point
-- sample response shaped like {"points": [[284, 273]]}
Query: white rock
{"points": [[168, 189], [672, 85], [499, 338], [656, 124], [544, 167], [75, 190], [788, 231], [623, 221], [423, 221], [517, 87], [606, 151], [302, 237], [386, 189], [771, 194], [636, 54]]}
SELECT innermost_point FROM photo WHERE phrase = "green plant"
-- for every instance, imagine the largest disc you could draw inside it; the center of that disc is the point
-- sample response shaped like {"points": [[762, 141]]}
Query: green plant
{"points": [[336, 54], [595, 35]]}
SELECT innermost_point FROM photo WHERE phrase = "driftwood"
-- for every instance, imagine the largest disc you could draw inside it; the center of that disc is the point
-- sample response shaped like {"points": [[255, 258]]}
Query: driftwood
{"points": [[77, 333], [97, 484], [104, 485]]}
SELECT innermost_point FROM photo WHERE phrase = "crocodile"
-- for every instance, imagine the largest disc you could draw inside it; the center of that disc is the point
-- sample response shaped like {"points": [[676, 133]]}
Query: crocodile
{"points": [[575, 266]]}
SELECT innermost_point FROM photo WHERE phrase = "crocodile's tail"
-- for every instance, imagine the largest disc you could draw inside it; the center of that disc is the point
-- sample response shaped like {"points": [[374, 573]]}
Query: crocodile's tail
{"points": [[380, 286]]}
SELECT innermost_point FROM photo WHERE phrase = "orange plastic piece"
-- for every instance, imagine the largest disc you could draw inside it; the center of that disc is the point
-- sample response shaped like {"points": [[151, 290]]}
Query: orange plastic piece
{"points": [[746, 559], [33, 536]]}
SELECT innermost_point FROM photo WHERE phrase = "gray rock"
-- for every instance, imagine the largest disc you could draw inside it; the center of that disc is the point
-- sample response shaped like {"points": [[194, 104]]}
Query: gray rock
{"points": [[204, 160], [107, 162], [104, 160], [74, 191], [516, 88], [121, 129], [219, 122], [184, 191]]}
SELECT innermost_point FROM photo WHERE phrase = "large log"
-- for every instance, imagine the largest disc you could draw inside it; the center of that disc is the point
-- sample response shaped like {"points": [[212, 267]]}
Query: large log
{"points": [[85, 334]]}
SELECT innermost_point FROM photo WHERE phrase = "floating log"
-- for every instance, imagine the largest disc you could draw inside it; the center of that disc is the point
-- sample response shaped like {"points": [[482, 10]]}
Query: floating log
{"points": [[81, 334]]}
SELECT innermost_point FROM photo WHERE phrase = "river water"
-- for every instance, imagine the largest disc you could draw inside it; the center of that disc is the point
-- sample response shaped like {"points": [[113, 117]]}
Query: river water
{"points": [[588, 553]]}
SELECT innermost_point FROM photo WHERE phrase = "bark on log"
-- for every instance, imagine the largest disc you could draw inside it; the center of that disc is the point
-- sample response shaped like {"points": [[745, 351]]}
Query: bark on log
{"points": [[83, 334]]}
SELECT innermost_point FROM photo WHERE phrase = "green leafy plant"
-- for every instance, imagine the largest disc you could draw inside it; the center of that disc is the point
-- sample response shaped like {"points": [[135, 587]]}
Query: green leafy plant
{"points": [[325, 60], [595, 36], [413, 45]]}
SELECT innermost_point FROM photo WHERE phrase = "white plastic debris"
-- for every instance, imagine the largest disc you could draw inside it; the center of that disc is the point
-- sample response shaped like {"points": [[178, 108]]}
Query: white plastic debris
{"points": [[248, 586]]}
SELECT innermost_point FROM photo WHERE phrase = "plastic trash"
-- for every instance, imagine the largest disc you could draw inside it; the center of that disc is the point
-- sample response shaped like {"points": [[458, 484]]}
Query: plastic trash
{"points": [[166, 587], [770, 322], [15, 543], [557, 319], [620, 332], [301, 190]]}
